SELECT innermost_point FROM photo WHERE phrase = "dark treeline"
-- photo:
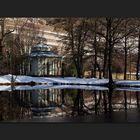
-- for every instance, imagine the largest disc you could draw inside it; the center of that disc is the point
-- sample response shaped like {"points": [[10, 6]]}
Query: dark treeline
{"points": [[104, 45], [107, 45]]}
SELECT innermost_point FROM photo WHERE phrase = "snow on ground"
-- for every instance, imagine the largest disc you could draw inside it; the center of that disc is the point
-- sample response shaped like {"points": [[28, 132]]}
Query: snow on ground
{"points": [[47, 82], [51, 80], [6, 79]]}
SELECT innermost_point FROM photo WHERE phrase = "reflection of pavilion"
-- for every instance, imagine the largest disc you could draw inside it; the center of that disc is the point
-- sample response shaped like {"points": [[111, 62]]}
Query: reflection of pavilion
{"points": [[44, 62], [49, 97], [44, 102]]}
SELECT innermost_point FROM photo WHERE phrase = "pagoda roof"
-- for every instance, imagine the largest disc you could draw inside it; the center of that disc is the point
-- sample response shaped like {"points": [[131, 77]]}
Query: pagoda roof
{"points": [[42, 50]]}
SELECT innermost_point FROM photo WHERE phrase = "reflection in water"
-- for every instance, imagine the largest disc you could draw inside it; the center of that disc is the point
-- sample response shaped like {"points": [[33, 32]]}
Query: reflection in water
{"points": [[11, 107], [22, 105], [137, 98]]}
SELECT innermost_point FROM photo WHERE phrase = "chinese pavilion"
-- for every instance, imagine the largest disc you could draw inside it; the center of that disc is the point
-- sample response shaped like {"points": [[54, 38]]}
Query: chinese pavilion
{"points": [[44, 62]]}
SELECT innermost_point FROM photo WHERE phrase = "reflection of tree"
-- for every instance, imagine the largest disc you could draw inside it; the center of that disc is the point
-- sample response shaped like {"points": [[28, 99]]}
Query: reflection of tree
{"points": [[97, 102], [137, 98], [48, 95], [62, 96], [15, 105], [78, 103], [105, 102], [110, 99], [10, 109], [125, 100], [101, 103]]}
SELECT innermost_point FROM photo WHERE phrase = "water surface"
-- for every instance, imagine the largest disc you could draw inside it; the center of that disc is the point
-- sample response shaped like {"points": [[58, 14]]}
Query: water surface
{"points": [[70, 104]]}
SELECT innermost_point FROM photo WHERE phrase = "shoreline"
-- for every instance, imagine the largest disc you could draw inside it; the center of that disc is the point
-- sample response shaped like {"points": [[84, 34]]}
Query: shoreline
{"points": [[19, 80]]}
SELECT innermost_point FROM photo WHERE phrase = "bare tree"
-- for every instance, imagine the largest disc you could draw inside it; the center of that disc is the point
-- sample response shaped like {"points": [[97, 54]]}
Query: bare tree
{"points": [[4, 32], [27, 35], [95, 44], [128, 29], [75, 42]]}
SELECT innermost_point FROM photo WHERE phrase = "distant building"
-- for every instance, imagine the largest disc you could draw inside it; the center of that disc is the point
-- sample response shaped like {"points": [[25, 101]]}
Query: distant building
{"points": [[44, 62]]}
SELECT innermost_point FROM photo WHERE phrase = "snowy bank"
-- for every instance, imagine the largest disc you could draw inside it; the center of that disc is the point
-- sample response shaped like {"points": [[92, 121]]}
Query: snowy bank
{"points": [[6, 79], [29, 80]]}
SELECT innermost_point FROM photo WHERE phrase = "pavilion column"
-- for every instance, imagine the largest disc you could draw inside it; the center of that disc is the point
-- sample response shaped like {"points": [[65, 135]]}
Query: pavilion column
{"points": [[53, 66], [62, 70], [48, 67], [41, 67], [57, 68], [38, 61], [45, 66], [60, 67]]}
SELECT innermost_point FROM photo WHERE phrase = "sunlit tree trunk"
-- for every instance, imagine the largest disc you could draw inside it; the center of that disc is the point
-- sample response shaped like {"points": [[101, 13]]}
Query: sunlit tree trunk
{"points": [[138, 59], [105, 73], [110, 48], [95, 51], [125, 58]]}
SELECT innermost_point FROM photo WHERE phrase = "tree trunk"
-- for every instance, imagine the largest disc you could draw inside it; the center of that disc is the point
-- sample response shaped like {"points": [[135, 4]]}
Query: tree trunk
{"points": [[95, 56], [110, 53], [138, 59], [95, 51], [79, 69], [1, 44], [125, 59], [105, 74]]}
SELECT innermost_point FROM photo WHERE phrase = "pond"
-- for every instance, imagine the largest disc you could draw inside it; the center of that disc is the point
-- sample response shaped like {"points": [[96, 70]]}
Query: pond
{"points": [[70, 104]]}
